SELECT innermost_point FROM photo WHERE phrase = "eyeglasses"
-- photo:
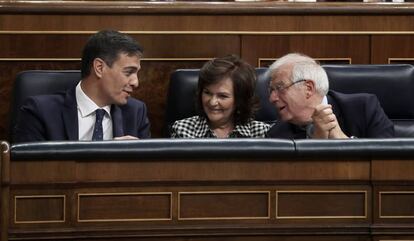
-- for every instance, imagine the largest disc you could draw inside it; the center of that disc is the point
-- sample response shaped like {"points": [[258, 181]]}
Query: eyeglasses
{"points": [[280, 88]]}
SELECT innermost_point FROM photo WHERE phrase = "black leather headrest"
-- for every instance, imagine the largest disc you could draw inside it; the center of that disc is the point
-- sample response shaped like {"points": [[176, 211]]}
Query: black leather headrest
{"points": [[392, 84], [181, 97], [39, 82]]}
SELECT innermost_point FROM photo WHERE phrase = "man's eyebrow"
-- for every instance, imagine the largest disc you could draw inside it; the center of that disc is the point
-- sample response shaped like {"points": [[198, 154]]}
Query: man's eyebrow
{"points": [[131, 68]]}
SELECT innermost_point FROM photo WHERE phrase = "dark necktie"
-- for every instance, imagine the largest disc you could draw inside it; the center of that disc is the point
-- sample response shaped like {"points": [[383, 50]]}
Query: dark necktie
{"points": [[309, 131], [98, 130]]}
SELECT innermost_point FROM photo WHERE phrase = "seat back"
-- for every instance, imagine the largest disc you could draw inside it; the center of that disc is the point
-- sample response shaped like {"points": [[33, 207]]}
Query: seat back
{"points": [[392, 84], [39, 82], [182, 91]]}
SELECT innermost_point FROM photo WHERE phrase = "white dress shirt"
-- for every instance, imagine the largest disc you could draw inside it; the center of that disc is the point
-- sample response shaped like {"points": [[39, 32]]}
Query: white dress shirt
{"points": [[325, 100], [87, 117]]}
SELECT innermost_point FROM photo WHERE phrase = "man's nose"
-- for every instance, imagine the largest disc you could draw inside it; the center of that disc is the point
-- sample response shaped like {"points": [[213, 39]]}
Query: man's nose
{"points": [[134, 82], [274, 96]]}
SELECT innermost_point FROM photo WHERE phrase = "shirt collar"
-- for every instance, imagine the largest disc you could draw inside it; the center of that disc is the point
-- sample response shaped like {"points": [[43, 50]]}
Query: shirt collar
{"points": [[86, 106], [325, 100]]}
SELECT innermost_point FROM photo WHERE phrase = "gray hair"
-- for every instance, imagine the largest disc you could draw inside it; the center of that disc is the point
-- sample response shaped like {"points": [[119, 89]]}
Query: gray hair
{"points": [[303, 68]]}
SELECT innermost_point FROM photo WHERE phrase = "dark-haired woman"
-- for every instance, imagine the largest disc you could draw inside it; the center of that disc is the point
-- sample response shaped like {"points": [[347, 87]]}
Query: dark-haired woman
{"points": [[226, 103]]}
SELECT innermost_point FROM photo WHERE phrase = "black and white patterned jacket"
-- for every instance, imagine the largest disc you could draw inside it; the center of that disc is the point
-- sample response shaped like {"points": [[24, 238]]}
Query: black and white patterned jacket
{"points": [[197, 127]]}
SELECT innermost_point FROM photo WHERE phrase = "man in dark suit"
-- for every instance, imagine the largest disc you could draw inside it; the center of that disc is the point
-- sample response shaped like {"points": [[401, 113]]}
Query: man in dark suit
{"points": [[307, 109], [110, 64]]}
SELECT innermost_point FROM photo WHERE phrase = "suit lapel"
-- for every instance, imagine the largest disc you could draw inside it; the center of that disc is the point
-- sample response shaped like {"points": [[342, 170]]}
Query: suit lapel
{"points": [[70, 115], [117, 126]]}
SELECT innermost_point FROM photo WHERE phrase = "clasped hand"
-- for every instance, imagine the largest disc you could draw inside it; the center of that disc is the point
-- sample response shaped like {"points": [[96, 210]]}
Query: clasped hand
{"points": [[325, 123]]}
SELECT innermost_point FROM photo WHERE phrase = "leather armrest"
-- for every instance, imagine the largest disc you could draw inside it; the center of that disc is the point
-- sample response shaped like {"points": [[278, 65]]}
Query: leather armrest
{"points": [[356, 148], [155, 148]]}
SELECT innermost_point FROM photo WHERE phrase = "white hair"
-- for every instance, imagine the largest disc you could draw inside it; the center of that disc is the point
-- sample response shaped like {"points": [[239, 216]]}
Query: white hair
{"points": [[303, 68]]}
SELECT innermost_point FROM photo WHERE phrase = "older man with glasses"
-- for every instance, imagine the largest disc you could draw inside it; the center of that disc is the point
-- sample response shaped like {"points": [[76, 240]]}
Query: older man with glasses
{"points": [[299, 89]]}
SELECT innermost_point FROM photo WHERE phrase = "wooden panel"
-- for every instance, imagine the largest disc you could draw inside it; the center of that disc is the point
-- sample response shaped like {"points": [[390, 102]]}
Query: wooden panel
{"points": [[188, 21], [202, 199], [70, 45], [203, 7], [106, 207], [385, 48], [353, 48], [188, 45], [394, 238], [216, 170], [387, 170], [321, 204], [396, 204], [223, 205], [41, 171], [39, 209], [401, 61], [393, 206], [42, 45]]}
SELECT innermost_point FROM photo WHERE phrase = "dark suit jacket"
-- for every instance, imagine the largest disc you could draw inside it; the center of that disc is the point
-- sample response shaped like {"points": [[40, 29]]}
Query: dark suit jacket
{"points": [[55, 117], [359, 115]]}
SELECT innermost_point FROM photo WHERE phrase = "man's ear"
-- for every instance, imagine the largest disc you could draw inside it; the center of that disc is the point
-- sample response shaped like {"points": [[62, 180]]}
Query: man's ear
{"points": [[310, 88], [98, 67]]}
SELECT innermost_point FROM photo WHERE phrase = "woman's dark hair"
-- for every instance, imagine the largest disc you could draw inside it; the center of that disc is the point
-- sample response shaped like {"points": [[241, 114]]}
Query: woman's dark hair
{"points": [[107, 45], [244, 81]]}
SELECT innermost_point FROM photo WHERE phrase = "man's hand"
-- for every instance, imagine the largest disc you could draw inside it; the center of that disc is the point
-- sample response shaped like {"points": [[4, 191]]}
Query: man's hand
{"points": [[325, 123], [127, 137], [337, 133]]}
